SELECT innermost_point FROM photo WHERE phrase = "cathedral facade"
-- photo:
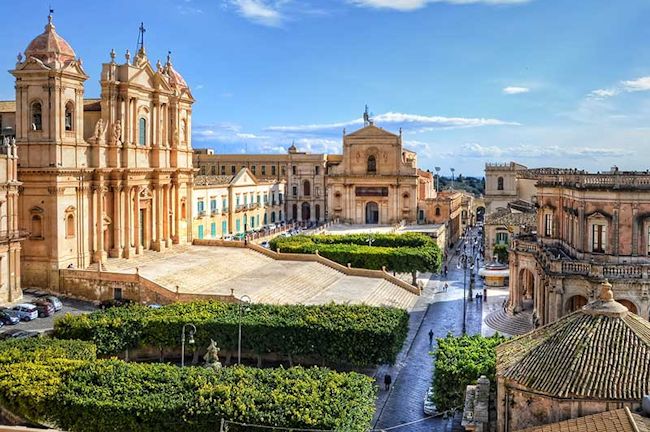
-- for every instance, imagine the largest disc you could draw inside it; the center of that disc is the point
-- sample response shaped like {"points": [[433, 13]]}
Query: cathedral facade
{"points": [[107, 177]]}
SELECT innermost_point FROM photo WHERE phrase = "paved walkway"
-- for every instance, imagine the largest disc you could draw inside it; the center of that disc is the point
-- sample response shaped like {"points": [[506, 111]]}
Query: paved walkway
{"points": [[413, 372], [218, 270]]}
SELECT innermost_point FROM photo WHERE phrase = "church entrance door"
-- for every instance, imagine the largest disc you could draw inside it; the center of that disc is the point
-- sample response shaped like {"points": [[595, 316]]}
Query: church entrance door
{"points": [[142, 221], [372, 213], [306, 211]]}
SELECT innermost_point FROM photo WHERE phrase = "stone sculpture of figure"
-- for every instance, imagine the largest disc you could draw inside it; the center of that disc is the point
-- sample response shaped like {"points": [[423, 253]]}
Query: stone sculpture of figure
{"points": [[212, 356], [98, 128], [117, 131]]}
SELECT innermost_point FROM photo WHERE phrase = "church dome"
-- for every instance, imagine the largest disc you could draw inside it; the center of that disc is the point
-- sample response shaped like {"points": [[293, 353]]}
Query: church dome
{"points": [[49, 47], [175, 78]]}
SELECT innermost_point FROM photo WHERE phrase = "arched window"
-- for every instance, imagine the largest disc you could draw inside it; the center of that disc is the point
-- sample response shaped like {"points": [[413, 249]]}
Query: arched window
{"points": [[69, 226], [306, 187], [37, 227], [500, 183], [37, 117], [372, 164], [183, 211], [142, 130], [69, 113], [272, 217], [437, 211]]}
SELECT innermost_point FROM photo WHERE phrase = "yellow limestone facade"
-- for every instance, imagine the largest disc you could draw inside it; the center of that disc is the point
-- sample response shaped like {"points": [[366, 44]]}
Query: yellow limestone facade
{"points": [[376, 182], [107, 177]]}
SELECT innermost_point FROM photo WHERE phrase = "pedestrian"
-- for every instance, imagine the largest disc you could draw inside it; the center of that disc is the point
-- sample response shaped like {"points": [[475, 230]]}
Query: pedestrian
{"points": [[387, 380], [445, 271], [430, 337], [444, 289]]}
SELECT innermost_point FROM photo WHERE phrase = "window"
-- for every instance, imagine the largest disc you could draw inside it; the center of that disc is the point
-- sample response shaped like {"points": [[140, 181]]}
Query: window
{"points": [[253, 169], [293, 169], [224, 228], [598, 238], [280, 199], [117, 293], [245, 199], [237, 200], [548, 224], [284, 171], [280, 215], [183, 211], [213, 170], [306, 188], [213, 205], [200, 232], [372, 164], [500, 183], [317, 170], [272, 217], [238, 225], [233, 169], [37, 227], [142, 130], [224, 204], [37, 117], [69, 226], [266, 219], [69, 112], [200, 208], [273, 170], [502, 238], [294, 189], [437, 211], [263, 169], [213, 230], [223, 170]]}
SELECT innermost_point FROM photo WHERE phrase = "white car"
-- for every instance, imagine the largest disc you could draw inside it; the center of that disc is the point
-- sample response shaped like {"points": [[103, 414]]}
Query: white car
{"points": [[429, 406], [26, 311]]}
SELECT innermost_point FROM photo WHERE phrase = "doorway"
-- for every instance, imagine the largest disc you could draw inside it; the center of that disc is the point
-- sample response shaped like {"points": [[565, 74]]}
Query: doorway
{"points": [[372, 213]]}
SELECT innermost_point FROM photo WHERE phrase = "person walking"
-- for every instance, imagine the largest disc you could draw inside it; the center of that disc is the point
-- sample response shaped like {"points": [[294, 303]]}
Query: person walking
{"points": [[387, 381], [444, 289], [430, 338]]}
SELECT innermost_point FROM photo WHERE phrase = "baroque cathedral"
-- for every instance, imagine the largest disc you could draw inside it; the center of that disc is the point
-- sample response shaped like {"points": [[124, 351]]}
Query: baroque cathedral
{"points": [[107, 177]]}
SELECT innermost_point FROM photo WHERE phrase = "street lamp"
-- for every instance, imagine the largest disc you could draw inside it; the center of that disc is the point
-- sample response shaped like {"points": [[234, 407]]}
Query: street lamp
{"points": [[244, 300], [437, 179], [245, 229], [452, 178], [465, 261], [190, 341]]}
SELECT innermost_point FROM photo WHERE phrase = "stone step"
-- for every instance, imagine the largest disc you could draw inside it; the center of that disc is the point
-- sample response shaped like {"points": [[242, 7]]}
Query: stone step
{"points": [[507, 323]]}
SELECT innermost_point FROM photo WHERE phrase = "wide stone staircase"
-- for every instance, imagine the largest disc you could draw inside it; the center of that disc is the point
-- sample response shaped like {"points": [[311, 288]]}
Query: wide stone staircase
{"points": [[509, 324]]}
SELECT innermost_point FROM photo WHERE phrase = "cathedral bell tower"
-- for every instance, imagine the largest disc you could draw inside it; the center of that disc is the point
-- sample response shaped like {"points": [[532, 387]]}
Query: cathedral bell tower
{"points": [[49, 102]]}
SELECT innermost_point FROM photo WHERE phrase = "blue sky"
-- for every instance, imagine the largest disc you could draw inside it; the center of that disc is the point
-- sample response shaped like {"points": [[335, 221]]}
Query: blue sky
{"points": [[543, 82]]}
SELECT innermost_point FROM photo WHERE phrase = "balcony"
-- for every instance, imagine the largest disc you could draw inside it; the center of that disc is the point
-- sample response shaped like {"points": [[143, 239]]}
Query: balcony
{"points": [[555, 260], [224, 210]]}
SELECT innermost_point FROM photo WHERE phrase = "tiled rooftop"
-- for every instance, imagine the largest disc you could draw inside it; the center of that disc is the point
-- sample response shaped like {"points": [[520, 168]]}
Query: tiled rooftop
{"points": [[599, 352], [620, 420]]}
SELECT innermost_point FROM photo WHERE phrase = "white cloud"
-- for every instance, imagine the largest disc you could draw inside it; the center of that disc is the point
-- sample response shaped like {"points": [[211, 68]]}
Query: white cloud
{"points": [[640, 84], [409, 5], [603, 93], [393, 120], [186, 8], [524, 151], [513, 90], [263, 12]]}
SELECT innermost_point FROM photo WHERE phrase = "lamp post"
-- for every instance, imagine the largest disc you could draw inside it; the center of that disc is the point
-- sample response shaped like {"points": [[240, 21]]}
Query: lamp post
{"points": [[452, 177], [243, 300], [437, 179], [245, 228], [190, 341], [370, 241], [465, 261]]}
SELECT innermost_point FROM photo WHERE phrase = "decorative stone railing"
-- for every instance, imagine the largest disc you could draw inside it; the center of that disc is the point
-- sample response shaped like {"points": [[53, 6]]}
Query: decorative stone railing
{"points": [[581, 267], [596, 181]]}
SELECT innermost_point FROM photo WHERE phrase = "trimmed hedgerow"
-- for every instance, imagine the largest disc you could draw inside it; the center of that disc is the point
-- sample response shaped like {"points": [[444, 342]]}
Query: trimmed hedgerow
{"points": [[73, 391], [404, 253], [335, 334]]}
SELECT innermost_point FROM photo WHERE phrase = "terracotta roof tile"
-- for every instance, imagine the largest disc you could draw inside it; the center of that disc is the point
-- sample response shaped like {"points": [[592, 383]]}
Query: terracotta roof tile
{"points": [[620, 420]]}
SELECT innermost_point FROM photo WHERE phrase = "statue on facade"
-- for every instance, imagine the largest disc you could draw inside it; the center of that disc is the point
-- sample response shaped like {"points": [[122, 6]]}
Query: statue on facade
{"points": [[212, 356], [117, 131]]}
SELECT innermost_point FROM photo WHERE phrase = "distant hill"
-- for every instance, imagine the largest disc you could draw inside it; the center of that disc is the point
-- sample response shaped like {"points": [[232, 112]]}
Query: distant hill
{"points": [[474, 185]]}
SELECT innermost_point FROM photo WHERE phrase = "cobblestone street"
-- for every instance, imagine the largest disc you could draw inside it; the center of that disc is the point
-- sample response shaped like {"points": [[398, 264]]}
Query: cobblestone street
{"points": [[404, 402]]}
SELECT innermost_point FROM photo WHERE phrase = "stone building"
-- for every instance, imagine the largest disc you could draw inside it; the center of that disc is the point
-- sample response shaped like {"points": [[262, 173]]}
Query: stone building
{"points": [[589, 227], [503, 225], [619, 420], [10, 234], [591, 361], [228, 205], [505, 183], [446, 207], [376, 181], [100, 177], [304, 175]]}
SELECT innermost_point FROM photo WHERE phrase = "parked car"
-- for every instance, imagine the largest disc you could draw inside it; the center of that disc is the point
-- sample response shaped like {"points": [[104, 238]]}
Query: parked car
{"points": [[18, 334], [26, 311], [154, 306], [53, 300], [9, 317], [265, 244], [115, 303], [227, 237], [429, 406], [45, 308]]}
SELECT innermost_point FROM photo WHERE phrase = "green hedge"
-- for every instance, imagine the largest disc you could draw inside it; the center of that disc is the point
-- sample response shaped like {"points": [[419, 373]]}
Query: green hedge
{"points": [[335, 334], [78, 393], [404, 253], [459, 362], [113, 395]]}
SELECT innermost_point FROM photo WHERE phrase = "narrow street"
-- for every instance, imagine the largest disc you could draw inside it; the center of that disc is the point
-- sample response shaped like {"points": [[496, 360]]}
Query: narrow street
{"points": [[444, 313]]}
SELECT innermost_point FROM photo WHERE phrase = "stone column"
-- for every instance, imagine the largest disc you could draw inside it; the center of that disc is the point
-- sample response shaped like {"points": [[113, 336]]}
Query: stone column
{"points": [[136, 215], [158, 218], [116, 252], [98, 195], [165, 216], [177, 212]]}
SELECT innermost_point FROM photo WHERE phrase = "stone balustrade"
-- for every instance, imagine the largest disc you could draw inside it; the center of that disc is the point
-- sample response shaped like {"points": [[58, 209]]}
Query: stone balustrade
{"points": [[580, 267]]}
